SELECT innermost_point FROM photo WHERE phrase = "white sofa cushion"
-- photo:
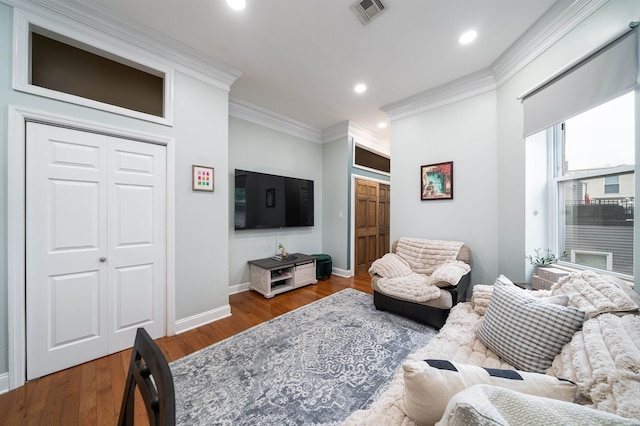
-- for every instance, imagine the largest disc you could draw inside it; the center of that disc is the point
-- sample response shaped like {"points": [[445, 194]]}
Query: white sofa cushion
{"points": [[526, 332], [429, 384]]}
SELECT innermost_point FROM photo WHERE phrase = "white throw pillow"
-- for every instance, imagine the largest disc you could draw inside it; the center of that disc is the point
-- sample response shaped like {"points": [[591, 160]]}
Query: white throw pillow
{"points": [[429, 384]]}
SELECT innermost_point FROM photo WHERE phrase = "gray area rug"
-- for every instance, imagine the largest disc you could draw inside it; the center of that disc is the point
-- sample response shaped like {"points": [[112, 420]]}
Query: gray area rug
{"points": [[311, 366]]}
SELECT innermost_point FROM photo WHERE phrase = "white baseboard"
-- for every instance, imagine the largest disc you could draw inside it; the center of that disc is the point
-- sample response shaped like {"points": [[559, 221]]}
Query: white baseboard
{"points": [[342, 272], [204, 318], [4, 383], [239, 288]]}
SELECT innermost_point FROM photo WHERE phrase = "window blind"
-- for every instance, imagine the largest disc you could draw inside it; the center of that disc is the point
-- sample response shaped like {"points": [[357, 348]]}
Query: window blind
{"points": [[607, 73]]}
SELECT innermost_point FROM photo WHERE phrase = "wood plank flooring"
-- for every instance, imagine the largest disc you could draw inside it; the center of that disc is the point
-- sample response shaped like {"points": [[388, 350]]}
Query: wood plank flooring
{"points": [[91, 393]]}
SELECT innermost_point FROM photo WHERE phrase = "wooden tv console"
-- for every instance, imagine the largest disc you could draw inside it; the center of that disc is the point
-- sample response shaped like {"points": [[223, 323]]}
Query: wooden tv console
{"points": [[271, 276]]}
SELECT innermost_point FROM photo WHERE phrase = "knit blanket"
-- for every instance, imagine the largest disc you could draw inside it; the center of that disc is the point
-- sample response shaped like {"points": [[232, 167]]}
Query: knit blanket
{"points": [[413, 287], [424, 256], [492, 405], [390, 266], [449, 273], [604, 360], [593, 293]]}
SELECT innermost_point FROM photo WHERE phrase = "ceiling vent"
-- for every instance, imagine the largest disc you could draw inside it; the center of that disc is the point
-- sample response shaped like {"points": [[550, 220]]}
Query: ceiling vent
{"points": [[366, 10]]}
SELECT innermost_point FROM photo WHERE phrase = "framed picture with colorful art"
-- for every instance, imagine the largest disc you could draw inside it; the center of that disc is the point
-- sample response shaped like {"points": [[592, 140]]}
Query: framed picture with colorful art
{"points": [[202, 178], [436, 181]]}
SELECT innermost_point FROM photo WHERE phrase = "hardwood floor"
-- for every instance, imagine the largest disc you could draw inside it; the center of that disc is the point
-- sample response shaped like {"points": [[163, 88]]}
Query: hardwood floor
{"points": [[91, 393]]}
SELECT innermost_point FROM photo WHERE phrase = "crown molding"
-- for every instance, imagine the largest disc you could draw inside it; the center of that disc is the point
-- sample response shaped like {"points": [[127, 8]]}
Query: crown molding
{"points": [[557, 22], [363, 137], [267, 118], [369, 140], [563, 17], [454, 91], [338, 131], [92, 16]]}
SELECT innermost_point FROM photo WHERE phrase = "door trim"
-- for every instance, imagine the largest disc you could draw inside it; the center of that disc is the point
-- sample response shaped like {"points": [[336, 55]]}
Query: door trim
{"points": [[352, 219], [16, 225]]}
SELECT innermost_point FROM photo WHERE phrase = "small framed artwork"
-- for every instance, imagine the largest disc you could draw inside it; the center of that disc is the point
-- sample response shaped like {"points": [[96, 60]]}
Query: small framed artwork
{"points": [[436, 181], [202, 179]]}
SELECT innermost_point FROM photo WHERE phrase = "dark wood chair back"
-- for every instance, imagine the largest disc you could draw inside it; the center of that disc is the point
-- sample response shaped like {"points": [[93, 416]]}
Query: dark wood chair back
{"points": [[148, 372]]}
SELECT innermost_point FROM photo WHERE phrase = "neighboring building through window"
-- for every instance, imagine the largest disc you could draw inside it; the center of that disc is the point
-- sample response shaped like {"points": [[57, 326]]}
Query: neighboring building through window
{"points": [[593, 183]]}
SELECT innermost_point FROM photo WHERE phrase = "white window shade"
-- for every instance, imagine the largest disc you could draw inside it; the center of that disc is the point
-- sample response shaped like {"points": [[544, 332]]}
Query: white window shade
{"points": [[604, 75]]}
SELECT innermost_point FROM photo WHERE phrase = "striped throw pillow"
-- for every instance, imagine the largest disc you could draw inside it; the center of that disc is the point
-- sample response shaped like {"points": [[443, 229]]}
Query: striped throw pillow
{"points": [[526, 332]]}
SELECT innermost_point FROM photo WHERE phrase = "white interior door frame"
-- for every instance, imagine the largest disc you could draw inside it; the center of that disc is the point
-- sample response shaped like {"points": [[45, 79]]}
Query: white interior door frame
{"points": [[16, 194]]}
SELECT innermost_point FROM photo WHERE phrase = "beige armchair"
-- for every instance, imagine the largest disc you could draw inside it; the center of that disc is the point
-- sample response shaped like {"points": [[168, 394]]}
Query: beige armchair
{"points": [[422, 279]]}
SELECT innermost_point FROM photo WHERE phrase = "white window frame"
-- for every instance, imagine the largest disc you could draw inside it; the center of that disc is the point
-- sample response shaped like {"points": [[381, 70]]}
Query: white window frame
{"points": [[24, 23], [607, 255], [555, 136]]}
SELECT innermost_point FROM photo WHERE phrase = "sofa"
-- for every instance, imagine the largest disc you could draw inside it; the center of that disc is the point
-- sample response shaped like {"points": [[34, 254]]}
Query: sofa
{"points": [[421, 279], [574, 359]]}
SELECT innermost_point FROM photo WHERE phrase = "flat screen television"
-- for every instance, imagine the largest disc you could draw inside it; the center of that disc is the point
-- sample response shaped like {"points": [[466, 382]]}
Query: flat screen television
{"points": [[271, 201]]}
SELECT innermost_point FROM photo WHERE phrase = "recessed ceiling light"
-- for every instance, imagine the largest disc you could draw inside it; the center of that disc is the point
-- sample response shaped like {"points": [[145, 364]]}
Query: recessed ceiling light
{"points": [[360, 88], [237, 4], [382, 125], [467, 37]]}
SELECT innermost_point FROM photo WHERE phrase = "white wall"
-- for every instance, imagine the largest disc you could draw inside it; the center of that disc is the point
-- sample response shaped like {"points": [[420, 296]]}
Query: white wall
{"points": [[537, 198], [465, 133], [202, 259], [260, 149], [335, 204]]}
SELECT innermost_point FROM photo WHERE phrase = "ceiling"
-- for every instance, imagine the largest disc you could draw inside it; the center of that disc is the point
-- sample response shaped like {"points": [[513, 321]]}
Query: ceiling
{"points": [[302, 58]]}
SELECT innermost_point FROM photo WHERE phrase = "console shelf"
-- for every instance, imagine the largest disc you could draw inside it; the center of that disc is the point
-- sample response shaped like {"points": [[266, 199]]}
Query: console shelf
{"points": [[272, 276]]}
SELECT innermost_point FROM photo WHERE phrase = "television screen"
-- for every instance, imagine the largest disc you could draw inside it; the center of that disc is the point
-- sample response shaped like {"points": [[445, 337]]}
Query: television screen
{"points": [[271, 201]]}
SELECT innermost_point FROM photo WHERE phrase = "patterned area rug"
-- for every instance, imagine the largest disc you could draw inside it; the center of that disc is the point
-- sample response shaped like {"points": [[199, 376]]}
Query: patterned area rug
{"points": [[311, 366]]}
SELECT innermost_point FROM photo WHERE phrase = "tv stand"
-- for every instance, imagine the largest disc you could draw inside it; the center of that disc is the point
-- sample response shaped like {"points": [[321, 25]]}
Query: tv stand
{"points": [[271, 276]]}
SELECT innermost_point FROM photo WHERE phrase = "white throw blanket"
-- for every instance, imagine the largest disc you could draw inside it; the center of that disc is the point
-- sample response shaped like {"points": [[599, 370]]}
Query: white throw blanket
{"points": [[398, 280], [604, 360], [390, 266], [593, 293], [424, 256], [413, 287]]}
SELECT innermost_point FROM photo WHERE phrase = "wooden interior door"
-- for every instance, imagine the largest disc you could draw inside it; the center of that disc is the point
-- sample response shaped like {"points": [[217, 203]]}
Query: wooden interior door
{"points": [[371, 223]]}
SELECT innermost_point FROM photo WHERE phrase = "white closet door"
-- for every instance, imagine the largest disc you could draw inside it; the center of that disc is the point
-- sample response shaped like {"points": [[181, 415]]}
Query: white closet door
{"points": [[95, 245], [136, 238]]}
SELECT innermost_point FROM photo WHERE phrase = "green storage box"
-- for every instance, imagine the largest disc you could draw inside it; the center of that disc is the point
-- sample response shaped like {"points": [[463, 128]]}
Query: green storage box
{"points": [[324, 266]]}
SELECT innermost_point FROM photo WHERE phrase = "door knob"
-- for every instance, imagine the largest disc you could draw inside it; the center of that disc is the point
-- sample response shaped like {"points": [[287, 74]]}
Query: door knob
{"points": [[103, 259]]}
